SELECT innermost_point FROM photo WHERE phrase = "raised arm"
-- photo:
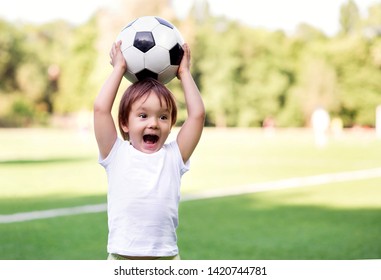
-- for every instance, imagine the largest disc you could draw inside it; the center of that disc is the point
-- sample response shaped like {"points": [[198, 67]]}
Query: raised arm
{"points": [[190, 133], [104, 127]]}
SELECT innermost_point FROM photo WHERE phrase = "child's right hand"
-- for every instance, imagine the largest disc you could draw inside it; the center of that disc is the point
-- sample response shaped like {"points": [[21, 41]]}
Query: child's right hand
{"points": [[116, 56]]}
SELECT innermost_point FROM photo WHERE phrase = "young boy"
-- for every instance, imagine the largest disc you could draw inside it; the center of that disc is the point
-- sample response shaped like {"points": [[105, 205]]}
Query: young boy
{"points": [[143, 171]]}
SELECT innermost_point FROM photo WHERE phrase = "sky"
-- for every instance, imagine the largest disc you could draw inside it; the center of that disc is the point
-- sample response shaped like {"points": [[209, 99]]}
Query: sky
{"points": [[270, 14]]}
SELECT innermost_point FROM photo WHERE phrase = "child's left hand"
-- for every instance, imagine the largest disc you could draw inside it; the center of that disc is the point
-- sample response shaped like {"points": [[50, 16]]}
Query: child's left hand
{"points": [[185, 62]]}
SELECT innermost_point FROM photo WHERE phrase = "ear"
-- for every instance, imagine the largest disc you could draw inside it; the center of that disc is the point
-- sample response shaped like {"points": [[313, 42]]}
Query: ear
{"points": [[125, 128]]}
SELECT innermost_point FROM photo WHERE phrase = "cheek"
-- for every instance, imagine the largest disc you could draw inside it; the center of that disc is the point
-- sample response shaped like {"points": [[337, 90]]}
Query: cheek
{"points": [[168, 129]]}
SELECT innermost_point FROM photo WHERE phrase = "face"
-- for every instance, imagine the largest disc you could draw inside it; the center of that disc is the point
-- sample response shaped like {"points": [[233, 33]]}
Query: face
{"points": [[149, 124]]}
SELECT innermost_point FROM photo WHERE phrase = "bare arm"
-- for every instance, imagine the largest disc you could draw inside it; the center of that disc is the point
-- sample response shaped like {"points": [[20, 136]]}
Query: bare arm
{"points": [[190, 133], [104, 127]]}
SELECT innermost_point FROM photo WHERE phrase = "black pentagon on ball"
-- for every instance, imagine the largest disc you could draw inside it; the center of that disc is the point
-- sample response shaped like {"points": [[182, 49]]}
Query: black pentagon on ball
{"points": [[164, 22], [176, 54], [144, 41], [145, 73]]}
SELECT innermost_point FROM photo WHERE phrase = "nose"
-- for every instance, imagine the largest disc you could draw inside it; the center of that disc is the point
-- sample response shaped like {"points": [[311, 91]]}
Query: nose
{"points": [[153, 124]]}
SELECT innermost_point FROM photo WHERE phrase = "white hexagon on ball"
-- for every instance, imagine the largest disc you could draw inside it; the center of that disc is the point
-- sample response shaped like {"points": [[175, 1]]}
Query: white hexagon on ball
{"points": [[127, 37], [168, 73], [157, 59], [164, 36], [134, 58]]}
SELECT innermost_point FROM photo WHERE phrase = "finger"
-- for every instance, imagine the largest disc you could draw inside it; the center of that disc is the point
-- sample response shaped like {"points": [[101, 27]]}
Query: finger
{"points": [[118, 45], [185, 47], [112, 50], [186, 50]]}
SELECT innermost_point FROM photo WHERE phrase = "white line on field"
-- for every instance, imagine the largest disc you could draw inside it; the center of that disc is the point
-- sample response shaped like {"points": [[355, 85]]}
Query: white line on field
{"points": [[245, 189], [296, 182], [52, 213]]}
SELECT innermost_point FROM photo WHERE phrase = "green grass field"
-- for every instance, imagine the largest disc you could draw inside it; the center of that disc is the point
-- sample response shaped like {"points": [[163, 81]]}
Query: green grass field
{"points": [[46, 169]]}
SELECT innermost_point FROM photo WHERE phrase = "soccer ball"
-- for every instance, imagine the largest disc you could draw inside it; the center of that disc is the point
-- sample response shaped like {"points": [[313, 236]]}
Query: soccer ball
{"points": [[152, 48]]}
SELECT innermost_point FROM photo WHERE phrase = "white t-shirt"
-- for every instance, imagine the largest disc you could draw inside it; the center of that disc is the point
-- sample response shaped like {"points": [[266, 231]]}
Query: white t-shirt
{"points": [[143, 199]]}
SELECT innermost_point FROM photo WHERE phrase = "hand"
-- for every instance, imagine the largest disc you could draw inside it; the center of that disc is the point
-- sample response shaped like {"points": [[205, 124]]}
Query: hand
{"points": [[185, 62], [116, 57]]}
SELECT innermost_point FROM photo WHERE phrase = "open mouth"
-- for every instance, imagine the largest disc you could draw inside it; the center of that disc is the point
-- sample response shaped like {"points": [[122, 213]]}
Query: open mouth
{"points": [[150, 138]]}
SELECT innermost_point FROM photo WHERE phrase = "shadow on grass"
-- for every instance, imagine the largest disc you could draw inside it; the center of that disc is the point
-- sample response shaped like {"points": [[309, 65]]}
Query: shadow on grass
{"points": [[244, 227], [32, 161]]}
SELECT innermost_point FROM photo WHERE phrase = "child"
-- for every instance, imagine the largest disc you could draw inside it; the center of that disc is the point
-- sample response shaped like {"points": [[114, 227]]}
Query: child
{"points": [[143, 172]]}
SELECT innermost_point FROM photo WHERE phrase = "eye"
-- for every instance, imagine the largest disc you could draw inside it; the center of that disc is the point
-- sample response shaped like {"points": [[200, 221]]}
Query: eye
{"points": [[164, 117], [142, 116]]}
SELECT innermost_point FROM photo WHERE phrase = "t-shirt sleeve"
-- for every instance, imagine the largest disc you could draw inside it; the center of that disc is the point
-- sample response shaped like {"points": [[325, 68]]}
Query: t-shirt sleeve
{"points": [[184, 166], [106, 161]]}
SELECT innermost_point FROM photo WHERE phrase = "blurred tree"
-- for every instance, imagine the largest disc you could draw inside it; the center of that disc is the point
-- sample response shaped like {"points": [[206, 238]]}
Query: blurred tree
{"points": [[12, 52], [308, 33], [349, 17], [220, 64], [316, 85], [75, 87], [47, 49], [359, 80], [266, 76], [374, 15]]}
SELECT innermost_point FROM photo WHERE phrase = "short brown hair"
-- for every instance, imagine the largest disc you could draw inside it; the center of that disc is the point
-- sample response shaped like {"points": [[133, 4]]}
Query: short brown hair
{"points": [[138, 90]]}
